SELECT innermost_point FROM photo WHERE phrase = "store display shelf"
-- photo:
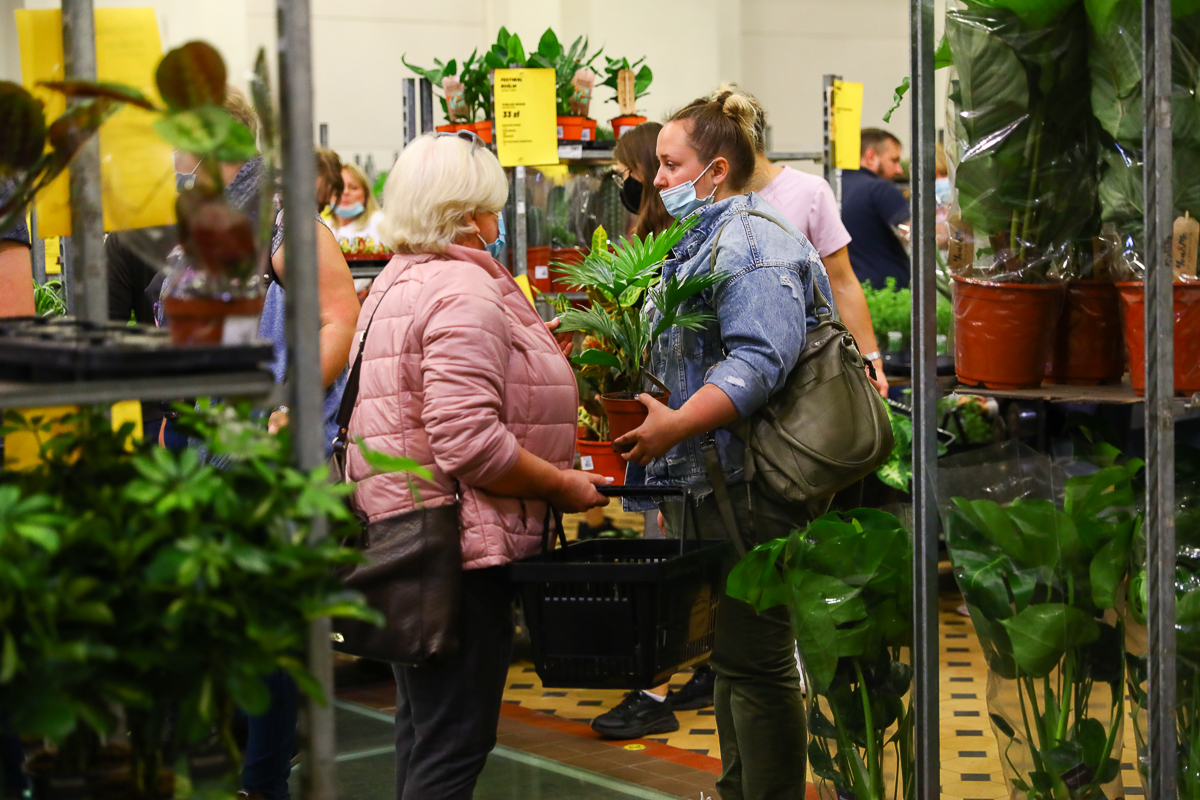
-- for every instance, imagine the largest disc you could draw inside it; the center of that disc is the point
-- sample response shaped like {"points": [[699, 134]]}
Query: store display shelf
{"points": [[578, 154], [370, 270], [254, 383], [779, 155], [1122, 394]]}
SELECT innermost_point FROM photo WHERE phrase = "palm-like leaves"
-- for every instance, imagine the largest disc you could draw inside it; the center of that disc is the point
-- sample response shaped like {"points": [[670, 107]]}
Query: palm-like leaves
{"points": [[620, 284]]}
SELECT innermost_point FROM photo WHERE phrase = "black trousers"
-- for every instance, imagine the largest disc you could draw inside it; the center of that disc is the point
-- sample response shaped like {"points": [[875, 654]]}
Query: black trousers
{"points": [[447, 713]]}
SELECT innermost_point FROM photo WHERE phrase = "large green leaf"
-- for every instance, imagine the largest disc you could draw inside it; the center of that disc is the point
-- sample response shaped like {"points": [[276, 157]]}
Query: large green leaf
{"points": [[190, 76], [756, 579], [816, 635], [1115, 60], [200, 130], [1033, 13], [1041, 635], [994, 92]]}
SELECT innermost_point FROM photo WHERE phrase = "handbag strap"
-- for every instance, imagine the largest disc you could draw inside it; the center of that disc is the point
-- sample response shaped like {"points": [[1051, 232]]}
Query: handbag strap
{"points": [[823, 308], [716, 478], [350, 394]]}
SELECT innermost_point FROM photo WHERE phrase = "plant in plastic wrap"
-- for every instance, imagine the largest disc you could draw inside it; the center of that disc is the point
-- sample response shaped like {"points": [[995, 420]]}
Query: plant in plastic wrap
{"points": [[1042, 584], [1026, 143], [846, 580], [1187, 630], [1115, 60]]}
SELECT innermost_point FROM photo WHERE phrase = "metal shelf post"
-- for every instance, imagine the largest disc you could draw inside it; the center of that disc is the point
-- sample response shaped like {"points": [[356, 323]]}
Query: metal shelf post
{"points": [[318, 753], [925, 399], [1160, 392]]}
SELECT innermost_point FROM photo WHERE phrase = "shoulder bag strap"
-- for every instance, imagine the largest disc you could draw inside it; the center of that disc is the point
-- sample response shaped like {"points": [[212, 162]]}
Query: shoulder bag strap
{"points": [[350, 394], [824, 311]]}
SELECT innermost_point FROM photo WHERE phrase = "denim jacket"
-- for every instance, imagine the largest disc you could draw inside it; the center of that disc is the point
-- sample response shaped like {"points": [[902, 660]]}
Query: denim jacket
{"points": [[763, 311]]}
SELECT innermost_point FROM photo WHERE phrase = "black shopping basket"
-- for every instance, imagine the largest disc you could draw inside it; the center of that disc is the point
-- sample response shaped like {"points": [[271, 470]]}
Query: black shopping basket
{"points": [[622, 614]]}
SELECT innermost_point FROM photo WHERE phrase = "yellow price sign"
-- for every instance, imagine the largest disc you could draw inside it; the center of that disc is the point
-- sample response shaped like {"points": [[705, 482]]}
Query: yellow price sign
{"points": [[847, 123], [526, 124]]}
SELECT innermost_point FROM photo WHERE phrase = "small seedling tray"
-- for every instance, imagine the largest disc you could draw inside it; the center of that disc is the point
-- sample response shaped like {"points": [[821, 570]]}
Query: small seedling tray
{"points": [[58, 349]]}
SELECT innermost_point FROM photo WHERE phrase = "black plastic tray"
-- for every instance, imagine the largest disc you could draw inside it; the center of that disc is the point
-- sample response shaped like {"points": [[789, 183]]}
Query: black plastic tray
{"points": [[57, 349]]}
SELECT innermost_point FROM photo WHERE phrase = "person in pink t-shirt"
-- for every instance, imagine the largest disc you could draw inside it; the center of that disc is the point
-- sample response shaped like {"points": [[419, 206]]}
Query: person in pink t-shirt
{"points": [[808, 203]]}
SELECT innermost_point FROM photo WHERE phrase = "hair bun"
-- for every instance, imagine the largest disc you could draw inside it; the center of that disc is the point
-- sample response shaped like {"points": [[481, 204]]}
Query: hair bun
{"points": [[738, 107]]}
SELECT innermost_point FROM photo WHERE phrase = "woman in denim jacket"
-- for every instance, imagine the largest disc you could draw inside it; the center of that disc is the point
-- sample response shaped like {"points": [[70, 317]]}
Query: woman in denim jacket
{"points": [[717, 376]]}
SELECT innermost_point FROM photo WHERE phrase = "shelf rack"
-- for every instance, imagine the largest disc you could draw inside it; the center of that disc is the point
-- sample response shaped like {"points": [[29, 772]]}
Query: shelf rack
{"points": [[1160, 404]]}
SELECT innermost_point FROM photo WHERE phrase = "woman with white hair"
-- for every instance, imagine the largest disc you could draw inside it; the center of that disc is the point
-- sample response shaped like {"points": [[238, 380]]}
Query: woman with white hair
{"points": [[460, 374]]}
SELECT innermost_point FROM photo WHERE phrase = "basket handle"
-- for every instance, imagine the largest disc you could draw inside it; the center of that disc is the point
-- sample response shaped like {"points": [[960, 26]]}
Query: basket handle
{"points": [[552, 512]]}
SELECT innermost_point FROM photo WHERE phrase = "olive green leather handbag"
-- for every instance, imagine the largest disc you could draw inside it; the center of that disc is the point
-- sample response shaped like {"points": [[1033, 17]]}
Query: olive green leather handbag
{"points": [[827, 426]]}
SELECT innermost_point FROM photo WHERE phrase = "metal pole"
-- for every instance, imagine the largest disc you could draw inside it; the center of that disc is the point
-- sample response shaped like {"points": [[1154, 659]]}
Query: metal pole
{"points": [[831, 171], [323, 134], [87, 211], [317, 778], [426, 106], [1160, 391], [68, 274], [37, 251], [925, 398], [520, 258], [409, 93]]}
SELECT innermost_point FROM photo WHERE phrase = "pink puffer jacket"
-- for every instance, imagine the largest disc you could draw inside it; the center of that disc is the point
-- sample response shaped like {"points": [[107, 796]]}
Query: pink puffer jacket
{"points": [[459, 372]]}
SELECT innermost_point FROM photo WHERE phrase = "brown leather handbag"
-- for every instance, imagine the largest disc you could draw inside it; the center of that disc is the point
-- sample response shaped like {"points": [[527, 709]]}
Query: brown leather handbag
{"points": [[412, 572]]}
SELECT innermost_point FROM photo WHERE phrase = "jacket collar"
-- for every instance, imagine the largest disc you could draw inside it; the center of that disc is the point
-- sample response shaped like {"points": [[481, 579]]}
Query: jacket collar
{"points": [[711, 218]]}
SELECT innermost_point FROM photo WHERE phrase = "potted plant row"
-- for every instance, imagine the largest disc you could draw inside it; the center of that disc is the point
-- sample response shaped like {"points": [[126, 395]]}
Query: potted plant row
{"points": [[154, 591], [467, 93]]}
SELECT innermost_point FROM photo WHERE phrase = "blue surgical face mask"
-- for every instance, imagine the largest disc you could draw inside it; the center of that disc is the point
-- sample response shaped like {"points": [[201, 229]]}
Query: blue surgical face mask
{"points": [[681, 201], [496, 247], [349, 212], [941, 190]]}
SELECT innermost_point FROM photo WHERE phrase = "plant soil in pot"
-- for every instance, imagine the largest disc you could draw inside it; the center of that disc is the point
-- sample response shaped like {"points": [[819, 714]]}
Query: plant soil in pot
{"points": [[599, 457], [1003, 331], [625, 414], [205, 320], [622, 124], [1187, 335], [1087, 347]]}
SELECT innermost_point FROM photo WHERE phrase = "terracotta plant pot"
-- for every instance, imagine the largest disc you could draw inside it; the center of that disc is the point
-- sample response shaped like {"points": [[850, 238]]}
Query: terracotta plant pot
{"points": [[588, 134], [202, 320], [599, 457], [624, 414], [570, 129], [622, 124], [451, 128], [1087, 347], [1187, 335], [484, 130], [564, 255], [537, 261], [1003, 331]]}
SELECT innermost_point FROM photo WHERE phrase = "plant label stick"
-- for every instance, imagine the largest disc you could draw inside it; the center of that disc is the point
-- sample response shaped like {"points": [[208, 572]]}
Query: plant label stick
{"points": [[1102, 259], [1184, 239], [581, 98], [962, 246], [627, 92], [456, 103]]}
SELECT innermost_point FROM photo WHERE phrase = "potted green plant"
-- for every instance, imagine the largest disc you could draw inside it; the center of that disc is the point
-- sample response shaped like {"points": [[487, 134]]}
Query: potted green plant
{"points": [[457, 119], [1042, 584], [628, 88], [573, 79], [1117, 99], [149, 585], [1025, 180], [620, 285], [846, 580]]}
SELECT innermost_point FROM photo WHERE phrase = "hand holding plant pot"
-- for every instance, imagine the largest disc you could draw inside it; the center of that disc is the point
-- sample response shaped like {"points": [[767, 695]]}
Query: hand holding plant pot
{"points": [[630, 308]]}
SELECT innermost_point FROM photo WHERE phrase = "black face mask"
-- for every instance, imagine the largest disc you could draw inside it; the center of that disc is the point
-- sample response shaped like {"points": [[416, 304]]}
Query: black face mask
{"points": [[631, 195]]}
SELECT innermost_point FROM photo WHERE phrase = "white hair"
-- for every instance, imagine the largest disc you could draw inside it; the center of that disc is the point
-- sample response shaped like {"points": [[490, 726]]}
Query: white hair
{"points": [[434, 184]]}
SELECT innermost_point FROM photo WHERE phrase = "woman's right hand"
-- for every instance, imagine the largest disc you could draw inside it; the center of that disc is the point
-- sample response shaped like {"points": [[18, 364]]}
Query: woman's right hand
{"points": [[577, 491]]}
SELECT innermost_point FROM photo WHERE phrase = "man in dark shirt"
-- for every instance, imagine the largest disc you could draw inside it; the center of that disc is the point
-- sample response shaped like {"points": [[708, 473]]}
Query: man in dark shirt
{"points": [[135, 258], [873, 207]]}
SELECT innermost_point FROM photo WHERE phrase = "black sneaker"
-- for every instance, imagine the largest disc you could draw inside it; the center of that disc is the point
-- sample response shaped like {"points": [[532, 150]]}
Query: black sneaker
{"points": [[636, 716], [696, 693]]}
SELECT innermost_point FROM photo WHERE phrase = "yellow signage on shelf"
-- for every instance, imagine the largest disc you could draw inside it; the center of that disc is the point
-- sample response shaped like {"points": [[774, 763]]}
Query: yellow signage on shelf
{"points": [[526, 125], [847, 123], [22, 448], [138, 184]]}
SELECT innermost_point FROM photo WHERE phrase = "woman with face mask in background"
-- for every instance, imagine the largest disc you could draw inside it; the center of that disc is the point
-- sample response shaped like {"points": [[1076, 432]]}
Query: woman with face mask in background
{"points": [[763, 307], [356, 215], [637, 164]]}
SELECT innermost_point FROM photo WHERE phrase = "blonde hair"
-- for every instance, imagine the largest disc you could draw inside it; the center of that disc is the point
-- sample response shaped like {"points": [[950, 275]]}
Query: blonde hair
{"points": [[240, 109], [723, 125], [434, 184], [370, 204]]}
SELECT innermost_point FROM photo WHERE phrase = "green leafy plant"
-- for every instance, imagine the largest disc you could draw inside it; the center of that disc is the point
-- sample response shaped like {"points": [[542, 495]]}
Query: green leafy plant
{"points": [[891, 310], [846, 580], [1028, 146], [565, 61], [160, 584], [619, 284], [1042, 584], [49, 298], [641, 79]]}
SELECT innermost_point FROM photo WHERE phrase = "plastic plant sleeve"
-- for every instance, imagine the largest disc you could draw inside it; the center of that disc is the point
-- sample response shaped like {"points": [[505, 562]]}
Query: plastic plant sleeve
{"points": [[1115, 63], [1041, 553], [1024, 144], [847, 582]]}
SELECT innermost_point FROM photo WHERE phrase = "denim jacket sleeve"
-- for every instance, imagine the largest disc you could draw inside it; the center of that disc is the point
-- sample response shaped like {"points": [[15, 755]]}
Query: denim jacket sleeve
{"points": [[761, 311]]}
